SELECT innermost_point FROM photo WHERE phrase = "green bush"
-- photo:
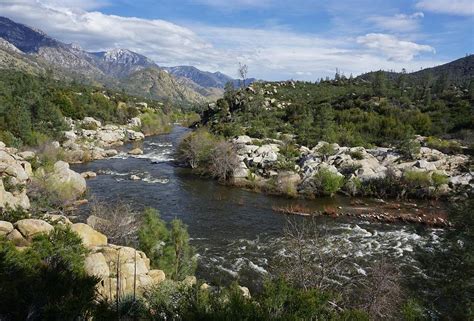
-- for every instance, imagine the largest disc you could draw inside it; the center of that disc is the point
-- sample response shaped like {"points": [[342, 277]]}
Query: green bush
{"points": [[167, 248], [445, 146], [417, 179], [357, 155], [326, 150], [47, 280], [327, 182], [439, 179], [409, 149], [154, 123], [196, 149]]}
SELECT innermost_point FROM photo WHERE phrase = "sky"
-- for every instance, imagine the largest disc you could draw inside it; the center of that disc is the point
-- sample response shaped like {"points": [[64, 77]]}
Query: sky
{"points": [[277, 39]]}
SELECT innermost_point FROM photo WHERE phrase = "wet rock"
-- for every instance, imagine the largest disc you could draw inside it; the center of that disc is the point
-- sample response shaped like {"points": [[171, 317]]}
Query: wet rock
{"points": [[89, 174], [136, 151]]}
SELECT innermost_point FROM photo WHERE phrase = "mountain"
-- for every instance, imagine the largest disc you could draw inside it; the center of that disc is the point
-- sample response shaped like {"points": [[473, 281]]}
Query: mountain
{"points": [[122, 62], [204, 78], [31, 50], [457, 72]]}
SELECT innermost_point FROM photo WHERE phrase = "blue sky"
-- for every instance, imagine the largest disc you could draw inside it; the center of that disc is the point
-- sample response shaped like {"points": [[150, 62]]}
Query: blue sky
{"points": [[299, 39]]}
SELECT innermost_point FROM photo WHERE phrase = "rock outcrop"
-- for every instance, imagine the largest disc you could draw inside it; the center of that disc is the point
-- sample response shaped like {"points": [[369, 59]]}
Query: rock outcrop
{"points": [[89, 139], [113, 264], [263, 158], [15, 173]]}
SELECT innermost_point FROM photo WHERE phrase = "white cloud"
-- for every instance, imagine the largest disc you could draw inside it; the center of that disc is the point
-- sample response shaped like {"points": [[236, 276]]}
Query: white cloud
{"points": [[233, 4], [272, 53], [392, 47], [398, 22], [455, 7]]}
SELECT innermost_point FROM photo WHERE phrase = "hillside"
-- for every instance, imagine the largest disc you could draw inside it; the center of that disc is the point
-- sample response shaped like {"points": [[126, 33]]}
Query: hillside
{"points": [[30, 50], [352, 112], [459, 72]]}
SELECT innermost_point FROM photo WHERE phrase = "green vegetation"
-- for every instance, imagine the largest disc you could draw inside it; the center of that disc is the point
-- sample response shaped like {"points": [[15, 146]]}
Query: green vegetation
{"points": [[47, 280], [448, 264], [446, 146], [374, 110], [327, 182], [167, 248], [32, 108]]}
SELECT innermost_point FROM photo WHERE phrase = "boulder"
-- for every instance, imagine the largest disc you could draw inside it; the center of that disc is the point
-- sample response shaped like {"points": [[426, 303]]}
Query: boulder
{"points": [[243, 140], [31, 227], [91, 121], [423, 164], [241, 171], [89, 236], [190, 280], [17, 239], [111, 152], [56, 218], [110, 137], [157, 275], [136, 151], [135, 122], [5, 228], [88, 174], [70, 135], [133, 135], [27, 155], [96, 265], [17, 200], [62, 175]]}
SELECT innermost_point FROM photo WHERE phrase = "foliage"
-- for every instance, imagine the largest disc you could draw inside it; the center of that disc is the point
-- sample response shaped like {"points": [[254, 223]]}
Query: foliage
{"points": [[32, 108], [195, 149], [417, 179], [379, 110], [445, 146], [448, 287], [167, 247], [327, 182], [47, 280], [409, 148], [155, 123]]}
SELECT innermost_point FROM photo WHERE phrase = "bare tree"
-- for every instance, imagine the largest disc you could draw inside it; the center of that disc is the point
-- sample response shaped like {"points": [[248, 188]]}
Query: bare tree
{"points": [[223, 161], [309, 261], [380, 293], [243, 71], [118, 222]]}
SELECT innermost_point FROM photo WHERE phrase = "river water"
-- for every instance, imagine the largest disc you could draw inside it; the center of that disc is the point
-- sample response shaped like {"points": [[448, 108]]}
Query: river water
{"points": [[236, 232]]}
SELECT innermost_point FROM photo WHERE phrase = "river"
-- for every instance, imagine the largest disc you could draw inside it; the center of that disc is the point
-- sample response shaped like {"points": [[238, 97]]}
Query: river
{"points": [[236, 232]]}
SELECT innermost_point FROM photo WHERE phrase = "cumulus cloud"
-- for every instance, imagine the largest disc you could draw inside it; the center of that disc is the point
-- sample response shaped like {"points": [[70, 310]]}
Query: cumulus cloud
{"points": [[394, 48], [398, 22], [272, 53], [235, 3], [455, 7]]}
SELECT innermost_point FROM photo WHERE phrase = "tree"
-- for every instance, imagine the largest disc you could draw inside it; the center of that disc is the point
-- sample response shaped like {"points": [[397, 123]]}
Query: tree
{"points": [[152, 236], [183, 262], [224, 161], [243, 70], [167, 248], [379, 84]]}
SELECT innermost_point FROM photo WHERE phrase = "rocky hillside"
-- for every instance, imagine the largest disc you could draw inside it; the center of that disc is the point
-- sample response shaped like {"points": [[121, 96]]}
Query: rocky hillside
{"points": [[457, 72], [27, 49]]}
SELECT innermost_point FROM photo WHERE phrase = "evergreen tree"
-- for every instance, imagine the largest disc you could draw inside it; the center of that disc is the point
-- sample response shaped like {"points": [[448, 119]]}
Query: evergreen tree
{"points": [[379, 85]]}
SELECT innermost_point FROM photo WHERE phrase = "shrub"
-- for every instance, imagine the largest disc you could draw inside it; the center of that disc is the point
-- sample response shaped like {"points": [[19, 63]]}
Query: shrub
{"points": [[326, 150], [357, 154], [445, 146], [223, 161], [327, 182], [439, 179], [196, 148], [416, 179], [47, 280], [409, 149], [155, 123], [168, 249]]}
